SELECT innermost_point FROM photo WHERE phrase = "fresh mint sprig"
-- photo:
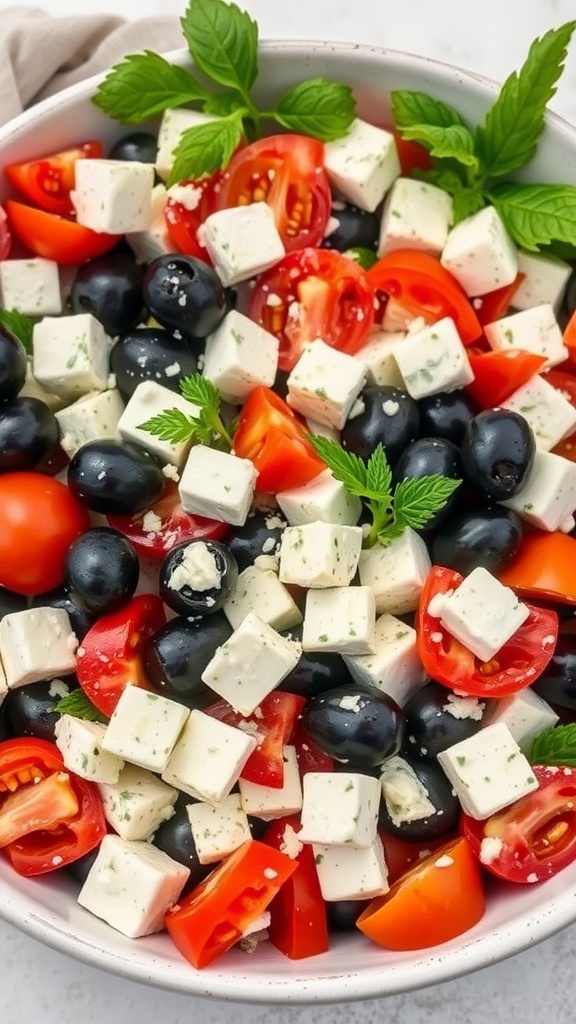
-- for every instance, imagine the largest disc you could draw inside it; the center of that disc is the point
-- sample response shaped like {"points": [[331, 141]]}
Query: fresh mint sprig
{"points": [[77, 704], [204, 423], [410, 503], [555, 746], [223, 44], [20, 325]]}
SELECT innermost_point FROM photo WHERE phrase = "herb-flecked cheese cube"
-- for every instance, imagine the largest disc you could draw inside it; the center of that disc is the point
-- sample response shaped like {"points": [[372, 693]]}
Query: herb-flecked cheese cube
{"points": [[137, 804]]}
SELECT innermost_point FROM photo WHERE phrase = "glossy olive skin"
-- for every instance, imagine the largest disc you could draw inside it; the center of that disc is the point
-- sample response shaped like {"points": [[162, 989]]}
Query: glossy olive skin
{"points": [[316, 671], [441, 795], [354, 228], [187, 600], [29, 432], [185, 294], [178, 653], [101, 570], [115, 477], [425, 457], [13, 364], [430, 725], [110, 287], [446, 415], [80, 620], [141, 146], [343, 914], [260, 535], [361, 434], [175, 838], [358, 724], [29, 710], [150, 353], [488, 537], [557, 684], [497, 452]]}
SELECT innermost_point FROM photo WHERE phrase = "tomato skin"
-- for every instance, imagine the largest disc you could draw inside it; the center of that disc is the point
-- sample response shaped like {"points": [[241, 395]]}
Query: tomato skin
{"points": [[309, 756], [411, 154], [40, 519], [177, 525], [543, 568], [434, 902], [517, 664], [55, 237], [494, 305], [402, 856], [498, 374], [322, 294], [47, 182], [183, 221], [565, 383], [532, 845]]}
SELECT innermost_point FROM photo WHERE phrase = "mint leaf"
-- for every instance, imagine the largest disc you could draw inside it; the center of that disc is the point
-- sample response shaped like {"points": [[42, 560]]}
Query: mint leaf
{"points": [[366, 258], [144, 85], [508, 138], [77, 704], [465, 202], [454, 142], [20, 325], [536, 215], [418, 499], [410, 107], [222, 104], [201, 392], [203, 425], [223, 42], [171, 425], [378, 472], [316, 107], [555, 746], [206, 148], [346, 467]]}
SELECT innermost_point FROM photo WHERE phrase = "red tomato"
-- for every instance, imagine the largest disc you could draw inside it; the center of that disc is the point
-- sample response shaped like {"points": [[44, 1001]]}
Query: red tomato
{"points": [[536, 835], [401, 856], [424, 288], [543, 568], [111, 655], [66, 811], [496, 304], [187, 206], [40, 519], [434, 902], [517, 664], [316, 293], [411, 154], [271, 435], [47, 182], [498, 374], [5, 237], [175, 525], [309, 756], [286, 172], [565, 383], [569, 336], [55, 237], [209, 920]]}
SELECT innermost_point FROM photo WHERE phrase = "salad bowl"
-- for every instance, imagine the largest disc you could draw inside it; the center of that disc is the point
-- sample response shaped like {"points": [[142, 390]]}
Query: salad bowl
{"points": [[516, 916]]}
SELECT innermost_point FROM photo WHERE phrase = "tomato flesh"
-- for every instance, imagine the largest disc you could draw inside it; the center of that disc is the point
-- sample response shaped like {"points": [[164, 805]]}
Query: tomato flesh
{"points": [[55, 237], [48, 182], [155, 531]]}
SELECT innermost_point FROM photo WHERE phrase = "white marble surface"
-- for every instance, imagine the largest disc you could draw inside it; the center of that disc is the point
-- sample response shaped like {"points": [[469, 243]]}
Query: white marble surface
{"points": [[38, 986]]}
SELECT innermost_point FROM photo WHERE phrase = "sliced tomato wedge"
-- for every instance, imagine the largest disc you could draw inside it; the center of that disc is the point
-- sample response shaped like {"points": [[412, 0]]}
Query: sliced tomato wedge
{"points": [[494, 305], [54, 237], [309, 756], [47, 182], [187, 206], [498, 374], [543, 568], [411, 154], [155, 531]]}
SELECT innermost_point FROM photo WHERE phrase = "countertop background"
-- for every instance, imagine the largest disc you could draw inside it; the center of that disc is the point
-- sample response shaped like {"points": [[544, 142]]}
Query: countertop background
{"points": [[39, 986]]}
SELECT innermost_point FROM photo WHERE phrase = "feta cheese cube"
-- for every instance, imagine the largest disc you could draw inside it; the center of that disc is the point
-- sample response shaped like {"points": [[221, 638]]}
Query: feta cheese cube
{"points": [[137, 804], [33, 389], [144, 728], [242, 241], [534, 330], [525, 714], [80, 743], [351, 872], [362, 164], [395, 666], [113, 196], [549, 414], [250, 664], [238, 356], [37, 643], [71, 354], [488, 771], [433, 360], [153, 241], [149, 400], [545, 279], [320, 554], [325, 383], [217, 485], [92, 417], [259, 590], [340, 619], [323, 499], [218, 831], [208, 758], [547, 497], [268, 803], [31, 286], [396, 573], [175, 121], [480, 254], [481, 613], [131, 885], [378, 355], [416, 215], [339, 808]]}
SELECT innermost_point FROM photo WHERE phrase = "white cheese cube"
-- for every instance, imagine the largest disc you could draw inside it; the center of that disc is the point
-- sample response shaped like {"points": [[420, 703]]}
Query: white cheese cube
{"points": [[433, 360], [396, 573], [132, 885], [113, 196], [259, 590], [534, 330], [320, 554], [217, 485], [268, 803], [137, 804], [175, 121], [93, 417], [250, 664], [30, 286], [150, 399], [416, 215], [322, 499], [208, 758], [339, 808], [549, 414], [80, 743], [325, 383], [525, 714], [144, 728], [378, 355], [37, 643], [404, 794], [154, 240], [340, 619], [351, 872], [71, 354], [481, 613], [395, 666], [480, 254], [488, 771], [242, 241], [33, 389], [218, 831], [547, 497], [362, 164], [238, 356], [545, 279]]}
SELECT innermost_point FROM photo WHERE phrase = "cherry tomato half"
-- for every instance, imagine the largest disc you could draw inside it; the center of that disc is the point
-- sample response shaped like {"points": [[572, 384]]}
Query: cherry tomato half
{"points": [[187, 206], [498, 374], [48, 182], [543, 568], [55, 237], [155, 531]]}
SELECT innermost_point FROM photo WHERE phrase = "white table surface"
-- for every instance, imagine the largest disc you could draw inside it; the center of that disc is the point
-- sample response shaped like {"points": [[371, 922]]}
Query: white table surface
{"points": [[39, 986]]}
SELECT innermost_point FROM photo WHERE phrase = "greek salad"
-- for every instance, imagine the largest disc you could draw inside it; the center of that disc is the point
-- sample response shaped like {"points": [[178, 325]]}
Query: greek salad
{"points": [[288, 484]]}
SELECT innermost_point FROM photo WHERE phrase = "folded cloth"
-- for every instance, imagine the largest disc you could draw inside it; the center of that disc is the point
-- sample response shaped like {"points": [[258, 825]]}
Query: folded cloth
{"points": [[40, 54]]}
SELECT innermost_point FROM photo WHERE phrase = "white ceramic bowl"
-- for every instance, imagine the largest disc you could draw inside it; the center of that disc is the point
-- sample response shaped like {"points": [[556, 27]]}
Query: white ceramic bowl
{"points": [[516, 917]]}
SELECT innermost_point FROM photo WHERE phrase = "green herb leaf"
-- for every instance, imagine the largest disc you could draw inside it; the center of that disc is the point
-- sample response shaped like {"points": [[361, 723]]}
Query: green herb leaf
{"points": [[366, 258], [536, 215], [410, 107], [378, 472], [144, 85], [508, 138], [454, 142], [77, 704], [346, 467], [20, 325], [417, 500], [201, 392], [222, 104], [316, 107], [171, 425], [205, 149], [555, 746], [203, 425], [465, 202], [223, 42]]}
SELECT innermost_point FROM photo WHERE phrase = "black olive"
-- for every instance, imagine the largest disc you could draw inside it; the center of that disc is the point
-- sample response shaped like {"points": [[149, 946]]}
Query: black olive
{"points": [[150, 353], [110, 287], [178, 653], [358, 724], [29, 709], [497, 452], [436, 718], [117, 478], [406, 781], [101, 570], [260, 535], [197, 577], [13, 364], [446, 415], [80, 869], [426, 457], [11, 602], [175, 838], [487, 537], [185, 294], [80, 620], [316, 671], [557, 683], [389, 417], [140, 146], [352, 228], [343, 914], [29, 433]]}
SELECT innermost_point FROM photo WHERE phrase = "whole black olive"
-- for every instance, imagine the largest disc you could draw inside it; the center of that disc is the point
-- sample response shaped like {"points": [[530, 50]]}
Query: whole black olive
{"points": [[140, 146], [115, 477], [446, 415], [428, 456], [557, 683], [260, 535], [13, 364], [185, 294], [316, 671], [343, 914], [150, 353], [351, 228], [487, 537], [101, 570], [436, 718], [497, 452], [29, 433], [419, 803], [178, 653], [29, 709], [175, 838], [110, 287], [197, 577], [389, 416], [358, 724]]}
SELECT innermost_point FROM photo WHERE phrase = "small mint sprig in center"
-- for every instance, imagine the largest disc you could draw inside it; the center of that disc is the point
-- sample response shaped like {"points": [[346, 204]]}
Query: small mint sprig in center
{"points": [[204, 423]]}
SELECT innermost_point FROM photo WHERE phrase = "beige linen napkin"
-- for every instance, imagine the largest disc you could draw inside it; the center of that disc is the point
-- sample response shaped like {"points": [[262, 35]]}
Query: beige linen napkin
{"points": [[40, 54]]}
